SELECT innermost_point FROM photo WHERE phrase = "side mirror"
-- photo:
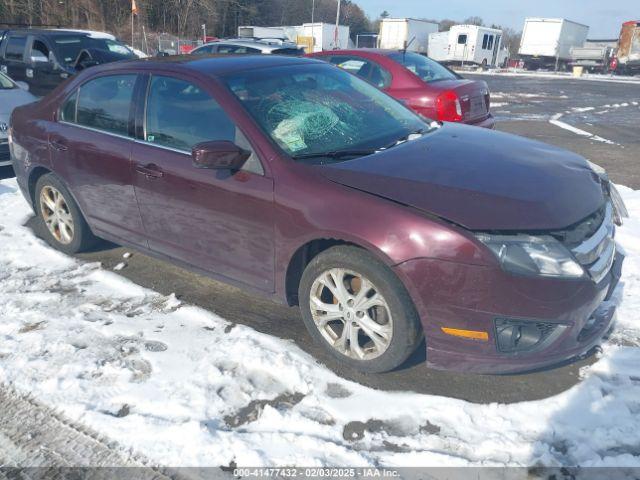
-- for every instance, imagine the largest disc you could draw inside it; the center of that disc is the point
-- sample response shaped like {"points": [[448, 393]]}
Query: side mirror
{"points": [[219, 155], [23, 86]]}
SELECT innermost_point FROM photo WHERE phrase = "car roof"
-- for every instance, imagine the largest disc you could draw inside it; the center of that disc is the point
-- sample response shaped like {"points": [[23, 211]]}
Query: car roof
{"points": [[54, 31], [250, 42], [207, 64]]}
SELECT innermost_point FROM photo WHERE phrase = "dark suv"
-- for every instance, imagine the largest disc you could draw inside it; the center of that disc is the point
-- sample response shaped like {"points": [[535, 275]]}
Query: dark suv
{"points": [[44, 58], [297, 180]]}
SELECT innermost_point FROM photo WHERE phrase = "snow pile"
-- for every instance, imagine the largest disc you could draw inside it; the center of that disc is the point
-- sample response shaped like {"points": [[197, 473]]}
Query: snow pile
{"points": [[184, 387]]}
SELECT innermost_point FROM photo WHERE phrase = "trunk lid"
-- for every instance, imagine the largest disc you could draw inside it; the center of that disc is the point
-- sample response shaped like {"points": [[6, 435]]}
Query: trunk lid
{"points": [[473, 95]]}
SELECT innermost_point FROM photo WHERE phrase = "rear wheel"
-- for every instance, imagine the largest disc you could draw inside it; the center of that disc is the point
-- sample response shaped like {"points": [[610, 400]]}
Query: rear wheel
{"points": [[63, 225], [358, 310]]}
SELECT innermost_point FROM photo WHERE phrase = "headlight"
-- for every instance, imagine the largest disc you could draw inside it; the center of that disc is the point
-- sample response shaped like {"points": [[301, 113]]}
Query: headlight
{"points": [[533, 256]]}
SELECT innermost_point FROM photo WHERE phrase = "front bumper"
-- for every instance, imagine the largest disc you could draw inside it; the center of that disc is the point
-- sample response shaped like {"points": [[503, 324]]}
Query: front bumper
{"points": [[471, 297]]}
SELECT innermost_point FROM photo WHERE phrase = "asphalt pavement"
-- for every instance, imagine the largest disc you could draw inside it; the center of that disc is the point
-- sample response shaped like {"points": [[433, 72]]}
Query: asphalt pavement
{"points": [[522, 105]]}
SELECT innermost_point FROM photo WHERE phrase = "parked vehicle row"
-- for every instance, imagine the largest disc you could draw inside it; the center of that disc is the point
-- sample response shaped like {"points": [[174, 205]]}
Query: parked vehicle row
{"points": [[310, 185]]}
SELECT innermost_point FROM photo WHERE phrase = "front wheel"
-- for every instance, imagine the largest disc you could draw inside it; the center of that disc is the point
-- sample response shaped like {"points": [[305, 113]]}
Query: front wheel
{"points": [[63, 225], [358, 310]]}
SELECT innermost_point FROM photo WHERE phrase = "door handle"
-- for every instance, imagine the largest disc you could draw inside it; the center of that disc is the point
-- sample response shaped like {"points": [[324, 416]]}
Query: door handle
{"points": [[58, 145], [150, 171]]}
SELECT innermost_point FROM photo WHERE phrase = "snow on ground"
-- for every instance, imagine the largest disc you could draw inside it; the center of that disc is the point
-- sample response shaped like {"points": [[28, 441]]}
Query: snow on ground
{"points": [[185, 387], [596, 77]]}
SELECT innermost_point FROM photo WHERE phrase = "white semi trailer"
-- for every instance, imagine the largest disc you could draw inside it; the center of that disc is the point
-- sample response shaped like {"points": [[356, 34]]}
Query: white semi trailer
{"points": [[547, 42], [406, 33]]}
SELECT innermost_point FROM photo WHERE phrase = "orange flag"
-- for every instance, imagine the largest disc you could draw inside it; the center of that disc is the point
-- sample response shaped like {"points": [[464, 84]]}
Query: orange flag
{"points": [[134, 7]]}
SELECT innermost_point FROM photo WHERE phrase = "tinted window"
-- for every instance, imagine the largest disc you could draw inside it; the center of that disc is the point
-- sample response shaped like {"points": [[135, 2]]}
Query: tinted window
{"points": [[70, 46], [364, 68], [425, 68], [462, 39], [315, 109], [490, 46], [485, 40], [15, 48], [39, 50], [105, 103], [239, 49], [204, 50], [181, 115], [288, 51]]}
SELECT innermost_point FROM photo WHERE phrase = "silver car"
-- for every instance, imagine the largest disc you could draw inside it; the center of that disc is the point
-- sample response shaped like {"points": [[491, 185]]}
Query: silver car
{"points": [[249, 46], [12, 95]]}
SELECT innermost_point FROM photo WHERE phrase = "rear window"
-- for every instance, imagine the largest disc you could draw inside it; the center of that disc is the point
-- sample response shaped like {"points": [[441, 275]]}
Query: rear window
{"points": [[425, 68], [104, 103], [289, 51], [15, 48]]}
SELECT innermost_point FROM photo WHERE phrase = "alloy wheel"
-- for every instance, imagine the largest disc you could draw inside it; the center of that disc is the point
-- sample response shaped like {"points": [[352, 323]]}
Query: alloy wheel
{"points": [[56, 214], [351, 314]]}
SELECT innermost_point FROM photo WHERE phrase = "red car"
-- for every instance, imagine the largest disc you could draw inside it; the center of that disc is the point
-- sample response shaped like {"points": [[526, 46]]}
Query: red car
{"points": [[309, 185], [422, 84]]}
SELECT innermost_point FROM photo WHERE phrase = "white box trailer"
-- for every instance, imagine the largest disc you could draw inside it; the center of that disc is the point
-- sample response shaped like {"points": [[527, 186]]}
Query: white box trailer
{"points": [[547, 42], [470, 44], [249, 31], [409, 33], [324, 35]]}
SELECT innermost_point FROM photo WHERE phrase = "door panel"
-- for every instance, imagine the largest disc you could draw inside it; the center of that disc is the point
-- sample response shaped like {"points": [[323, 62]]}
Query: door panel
{"points": [[217, 220], [91, 149], [97, 168]]}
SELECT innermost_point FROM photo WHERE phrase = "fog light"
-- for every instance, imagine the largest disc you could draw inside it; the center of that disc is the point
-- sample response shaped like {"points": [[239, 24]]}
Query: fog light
{"points": [[524, 336]]}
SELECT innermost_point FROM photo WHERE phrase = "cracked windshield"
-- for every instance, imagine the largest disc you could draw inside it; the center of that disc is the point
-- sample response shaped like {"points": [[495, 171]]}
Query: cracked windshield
{"points": [[311, 112]]}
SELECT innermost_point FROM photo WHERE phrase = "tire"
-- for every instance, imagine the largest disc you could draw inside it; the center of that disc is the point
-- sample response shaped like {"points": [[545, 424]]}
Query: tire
{"points": [[73, 233], [396, 325]]}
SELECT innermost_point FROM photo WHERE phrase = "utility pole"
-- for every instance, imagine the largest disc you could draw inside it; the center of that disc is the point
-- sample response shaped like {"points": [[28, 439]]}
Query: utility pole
{"points": [[335, 36], [313, 26]]}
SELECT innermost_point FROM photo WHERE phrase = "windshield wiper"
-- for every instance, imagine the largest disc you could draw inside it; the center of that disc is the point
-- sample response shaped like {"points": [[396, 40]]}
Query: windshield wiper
{"points": [[337, 154], [416, 133]]}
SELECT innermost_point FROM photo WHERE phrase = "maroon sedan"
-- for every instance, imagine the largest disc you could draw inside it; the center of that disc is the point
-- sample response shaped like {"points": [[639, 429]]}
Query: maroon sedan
{"points": [[296, 180], [422, 84]]}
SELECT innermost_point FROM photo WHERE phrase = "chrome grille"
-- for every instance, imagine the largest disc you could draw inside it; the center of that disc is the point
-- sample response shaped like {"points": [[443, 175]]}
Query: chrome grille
{"points": [[597, 252]]}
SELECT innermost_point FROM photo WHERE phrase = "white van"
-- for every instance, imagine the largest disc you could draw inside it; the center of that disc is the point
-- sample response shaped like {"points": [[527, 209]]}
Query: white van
{"points": [[469, 44]]}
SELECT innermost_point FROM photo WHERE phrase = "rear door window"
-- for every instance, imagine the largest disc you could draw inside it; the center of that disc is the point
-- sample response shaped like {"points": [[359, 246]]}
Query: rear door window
{"points": [[363, 68], [205, 50], [238, 49], [15, 48], [105, 103], [462, 39]]}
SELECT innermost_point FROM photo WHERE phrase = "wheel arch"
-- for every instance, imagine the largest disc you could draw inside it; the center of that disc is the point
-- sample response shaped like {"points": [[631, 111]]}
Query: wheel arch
{"points": [[34, 176], [305, 253]]}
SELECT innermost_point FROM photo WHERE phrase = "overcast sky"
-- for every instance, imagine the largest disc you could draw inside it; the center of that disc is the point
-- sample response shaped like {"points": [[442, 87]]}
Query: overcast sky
{"points": [[603, 16]]}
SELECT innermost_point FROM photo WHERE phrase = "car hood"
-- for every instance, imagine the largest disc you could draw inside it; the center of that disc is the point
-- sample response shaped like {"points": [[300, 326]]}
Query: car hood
{"points": [[10, 99], [480, 179]]}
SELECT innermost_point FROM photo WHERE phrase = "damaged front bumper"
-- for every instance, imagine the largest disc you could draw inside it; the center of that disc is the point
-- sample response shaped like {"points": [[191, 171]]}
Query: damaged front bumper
{"points": [[471, 298]]}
